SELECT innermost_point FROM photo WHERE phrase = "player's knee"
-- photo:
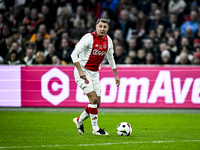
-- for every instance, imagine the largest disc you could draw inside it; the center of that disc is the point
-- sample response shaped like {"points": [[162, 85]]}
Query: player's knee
{"points": [[95, 100]]}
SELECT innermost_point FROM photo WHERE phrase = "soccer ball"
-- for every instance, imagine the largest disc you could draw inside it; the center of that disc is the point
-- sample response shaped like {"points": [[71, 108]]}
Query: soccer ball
{"points": [[124, 129]]}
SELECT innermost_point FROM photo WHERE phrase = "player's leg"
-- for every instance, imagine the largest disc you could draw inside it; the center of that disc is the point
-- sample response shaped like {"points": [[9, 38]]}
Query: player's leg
{"points": [[93, 111], [79, 121], [85, 114]]}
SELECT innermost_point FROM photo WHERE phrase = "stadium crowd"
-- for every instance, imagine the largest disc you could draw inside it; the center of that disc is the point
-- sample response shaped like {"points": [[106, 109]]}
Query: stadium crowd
{"points": [[45, 32]]}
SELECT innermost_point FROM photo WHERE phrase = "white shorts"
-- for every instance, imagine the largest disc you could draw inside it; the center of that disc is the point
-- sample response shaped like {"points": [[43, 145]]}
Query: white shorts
{"points": [[93, 78]]}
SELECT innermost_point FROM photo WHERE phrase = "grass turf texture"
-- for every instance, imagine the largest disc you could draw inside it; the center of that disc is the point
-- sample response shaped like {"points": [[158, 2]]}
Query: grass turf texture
{"points": [[55, 130]]}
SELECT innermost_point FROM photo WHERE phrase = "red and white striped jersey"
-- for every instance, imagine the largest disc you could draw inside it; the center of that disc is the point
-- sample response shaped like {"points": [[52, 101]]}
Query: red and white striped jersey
{"points": [[91, 50]]}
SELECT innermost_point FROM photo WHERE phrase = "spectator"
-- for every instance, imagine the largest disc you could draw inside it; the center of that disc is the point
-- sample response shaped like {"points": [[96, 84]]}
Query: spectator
{"points": [[15, 37], [17, 12], [54, 38], [185, 50], [197, 49], [148, 45], [46, 17], [192, 23], [52, 51], [154, 7], [13, 22], [173, 20], [43, 31], [163, 46], [29, 59], [23, 35], [166, 58], [108, 14], [196, 43], [46, 43], [66, 51], [80, 13], [13, 58], [149, 58], [39, 41], [141, 23], [172, 45], [36, 4], [144, 5], [5, 32], [196, 59], [90, 25], [128, 60], [53, 7], [176, 6], [189, 35], [15, 47], [132, 54], [184, 60], [118, 35], [124, 23], [78, 31], [27, 13], [159, 19], [56, 61], [160, 33], [169, 33], [3, 48], [185, 42], [110, 4], [32, 21], [32, 45], [133, 14], [94, 6], [119, 54], [140, 58], [40, 58], [123, 4], [153, 37], [132, 45]]}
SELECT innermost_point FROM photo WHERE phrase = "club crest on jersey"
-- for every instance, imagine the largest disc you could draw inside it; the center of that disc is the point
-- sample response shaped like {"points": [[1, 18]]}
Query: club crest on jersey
{"points": [[104, 45], [98, 52]]}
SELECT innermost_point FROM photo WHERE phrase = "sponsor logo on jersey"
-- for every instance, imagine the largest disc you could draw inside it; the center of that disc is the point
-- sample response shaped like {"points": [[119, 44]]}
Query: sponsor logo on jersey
{"points": [[98, 52]]}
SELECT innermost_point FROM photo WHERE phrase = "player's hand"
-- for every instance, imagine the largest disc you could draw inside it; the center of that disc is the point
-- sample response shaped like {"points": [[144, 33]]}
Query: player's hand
{"points": [[117, 81], [82, 75]]}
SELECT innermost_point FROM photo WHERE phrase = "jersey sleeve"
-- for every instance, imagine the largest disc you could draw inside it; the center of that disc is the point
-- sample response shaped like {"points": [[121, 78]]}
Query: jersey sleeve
{"points": [[110, 53], [80, 46]]}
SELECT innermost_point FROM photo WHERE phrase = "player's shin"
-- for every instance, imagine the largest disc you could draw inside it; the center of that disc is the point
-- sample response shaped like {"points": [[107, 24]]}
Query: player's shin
{"points": [[93, 111], [84, 115]]}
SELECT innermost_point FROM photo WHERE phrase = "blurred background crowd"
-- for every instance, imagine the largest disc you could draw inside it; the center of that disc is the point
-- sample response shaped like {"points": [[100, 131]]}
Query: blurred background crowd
{"points": [[45, 32]]}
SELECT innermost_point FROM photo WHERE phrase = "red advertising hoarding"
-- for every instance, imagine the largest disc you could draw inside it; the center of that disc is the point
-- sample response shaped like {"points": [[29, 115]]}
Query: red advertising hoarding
{"points": [[144, 87]]}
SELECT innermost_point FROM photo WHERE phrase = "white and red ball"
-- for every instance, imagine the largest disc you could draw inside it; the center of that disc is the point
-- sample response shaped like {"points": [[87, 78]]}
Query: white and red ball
{"points": [[124, 129]]}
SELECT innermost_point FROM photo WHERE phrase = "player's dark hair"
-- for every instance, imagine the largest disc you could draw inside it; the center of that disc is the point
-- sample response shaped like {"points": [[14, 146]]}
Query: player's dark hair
{"points": [[103, 20]]}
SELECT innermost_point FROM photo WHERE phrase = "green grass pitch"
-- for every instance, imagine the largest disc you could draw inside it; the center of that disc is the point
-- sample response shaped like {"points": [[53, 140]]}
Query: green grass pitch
{"points": [[55, 130]]}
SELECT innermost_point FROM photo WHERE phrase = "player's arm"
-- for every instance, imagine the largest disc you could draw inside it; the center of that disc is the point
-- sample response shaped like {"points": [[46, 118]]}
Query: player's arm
{"points": [[111, 61], [80, 71], [117, 80], [75, 56]]}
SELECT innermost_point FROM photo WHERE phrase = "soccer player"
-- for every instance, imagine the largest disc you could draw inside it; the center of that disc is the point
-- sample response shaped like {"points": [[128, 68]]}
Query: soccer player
{"points": [[87, 57]]}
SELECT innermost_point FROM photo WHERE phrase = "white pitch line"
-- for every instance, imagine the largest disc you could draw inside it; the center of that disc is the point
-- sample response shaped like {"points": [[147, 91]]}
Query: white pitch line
{"points": [[98, 144]]}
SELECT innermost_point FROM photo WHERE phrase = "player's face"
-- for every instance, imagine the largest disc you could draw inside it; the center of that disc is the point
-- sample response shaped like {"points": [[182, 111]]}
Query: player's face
{"points": [[101, 29]]}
